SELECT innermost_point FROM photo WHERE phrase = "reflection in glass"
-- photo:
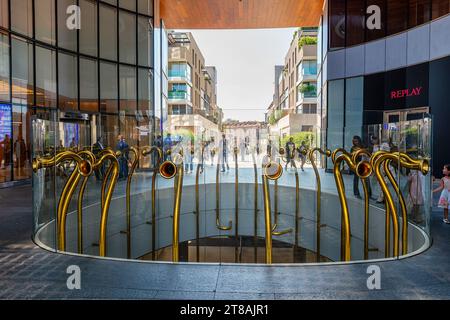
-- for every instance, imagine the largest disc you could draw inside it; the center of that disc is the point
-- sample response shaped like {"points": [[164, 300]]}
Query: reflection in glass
{"points": [[88, 85], [45, 21], [127, 37], [45, 77], [22, 17], [108, 32], [88, 32], [128, 89], [22, 71], [68, 81], [4, 67], [108, 88], [67, 38]]}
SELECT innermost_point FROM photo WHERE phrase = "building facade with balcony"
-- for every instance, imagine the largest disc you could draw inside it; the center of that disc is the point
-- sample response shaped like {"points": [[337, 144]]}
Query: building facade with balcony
{"points": [[251, 135], [294, 108], [192, 89]]}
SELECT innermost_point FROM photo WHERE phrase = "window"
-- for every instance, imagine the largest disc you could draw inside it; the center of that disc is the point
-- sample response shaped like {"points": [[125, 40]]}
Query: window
{"points": [[397, 16], [128, 90], [127, 37], [45, 77], [310, 108], [108, 87], [145, 83], [88, 85], [354, 96], [128, 4], [145, 7], [440, 8], [22, 17], [355, 22], [45, 21], [88, 31], [108, 32], [4, 17], [67, 38], [307, 128], [145, 42], [22, 72], [21, 143], [419, 12], [337, 24], [335, 116], [67, 81], [4, 67]]}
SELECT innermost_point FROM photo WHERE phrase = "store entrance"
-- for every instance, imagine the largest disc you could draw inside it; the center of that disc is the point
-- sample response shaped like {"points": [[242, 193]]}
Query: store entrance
{"points": [[408, 130], [76, 131]]}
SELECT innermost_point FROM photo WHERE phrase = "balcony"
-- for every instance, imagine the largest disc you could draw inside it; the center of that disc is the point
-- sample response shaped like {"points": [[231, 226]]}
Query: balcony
{"points": [[177, 76], [179, 95]]}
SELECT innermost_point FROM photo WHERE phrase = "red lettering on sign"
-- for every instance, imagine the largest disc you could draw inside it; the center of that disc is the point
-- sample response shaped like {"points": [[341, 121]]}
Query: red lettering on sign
{"points": [[398, 94]]}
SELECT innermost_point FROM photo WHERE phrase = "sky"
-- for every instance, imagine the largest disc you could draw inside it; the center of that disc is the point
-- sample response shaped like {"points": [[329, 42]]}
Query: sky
{"points": [[245, 62]]}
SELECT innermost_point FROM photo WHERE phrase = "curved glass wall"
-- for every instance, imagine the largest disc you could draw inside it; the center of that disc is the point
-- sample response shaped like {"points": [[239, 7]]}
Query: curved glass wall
{"points": [[248, 196]]}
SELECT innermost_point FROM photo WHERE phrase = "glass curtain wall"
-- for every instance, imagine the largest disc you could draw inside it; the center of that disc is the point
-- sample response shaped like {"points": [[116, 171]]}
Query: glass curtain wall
{"points": [[46, 62]]}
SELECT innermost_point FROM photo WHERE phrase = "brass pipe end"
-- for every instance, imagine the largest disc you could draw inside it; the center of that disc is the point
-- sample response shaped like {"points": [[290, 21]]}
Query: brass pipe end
{"points": [[36, 165], [328, 153], [168, 170], [425, 166], [273, 171], [85, 168], [363, 169]]}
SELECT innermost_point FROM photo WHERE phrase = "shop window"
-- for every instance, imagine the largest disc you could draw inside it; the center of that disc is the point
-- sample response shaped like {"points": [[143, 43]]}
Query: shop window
{"points": [[128, 90], [5, 142], [21, 143], [4, 68]]}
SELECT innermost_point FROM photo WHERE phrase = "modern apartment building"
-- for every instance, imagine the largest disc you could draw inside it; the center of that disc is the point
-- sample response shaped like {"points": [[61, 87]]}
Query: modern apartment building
{"points": [[294, 108], [192, 92]]}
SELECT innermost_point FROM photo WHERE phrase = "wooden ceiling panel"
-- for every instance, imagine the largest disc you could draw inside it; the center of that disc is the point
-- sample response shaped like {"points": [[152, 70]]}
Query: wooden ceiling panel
{"points": [[240, 14]]}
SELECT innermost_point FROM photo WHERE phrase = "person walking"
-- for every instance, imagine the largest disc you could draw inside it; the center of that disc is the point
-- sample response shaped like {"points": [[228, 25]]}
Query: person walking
{"points": [[223, 153], [302, 150], [290, 153], [123, 147]]}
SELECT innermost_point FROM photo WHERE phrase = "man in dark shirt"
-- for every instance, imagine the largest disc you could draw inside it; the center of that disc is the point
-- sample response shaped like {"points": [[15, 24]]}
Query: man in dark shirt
{"points": [[290, 153]]}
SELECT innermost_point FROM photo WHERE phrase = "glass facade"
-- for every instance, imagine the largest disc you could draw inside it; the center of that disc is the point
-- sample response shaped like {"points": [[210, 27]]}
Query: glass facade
{"points": [[351, 23], [97, 80]]}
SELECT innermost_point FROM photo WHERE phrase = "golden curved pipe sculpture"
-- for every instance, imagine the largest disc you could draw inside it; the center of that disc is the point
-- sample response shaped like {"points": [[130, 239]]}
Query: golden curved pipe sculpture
{"points": [[111, 176], [82, 168], [334, 154], [404, 161], [271, 171], [326, 153], [355, 156], [276, 212], [169, 170], [106, 151], [362, 170], [134, 165], [145, 152], [391, 210], [90, 157], [218, 224], [197, 201]]}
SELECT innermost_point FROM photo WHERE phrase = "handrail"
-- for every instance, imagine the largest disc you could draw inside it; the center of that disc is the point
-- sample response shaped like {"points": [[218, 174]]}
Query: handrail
{"points": [[83, 168], [197, 200], [113, 174], [92, 159], [267, 209], [363, 170], [318, 195], [128, 198], [236, 201], [146, 151], [255, 170], [364, 182], [169, 170]]}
